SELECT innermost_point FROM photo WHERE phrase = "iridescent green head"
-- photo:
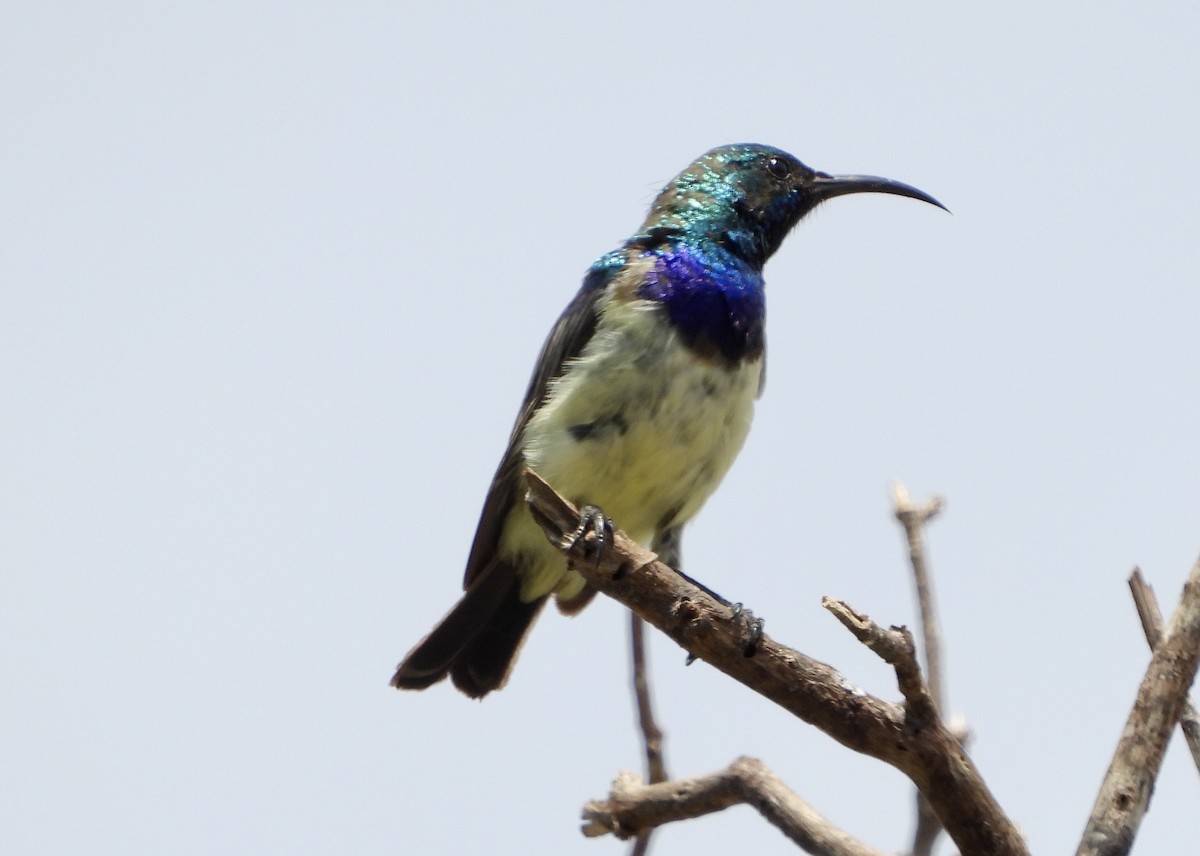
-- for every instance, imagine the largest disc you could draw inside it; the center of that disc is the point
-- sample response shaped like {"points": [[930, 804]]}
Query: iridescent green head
{"points": [[747, 197]]}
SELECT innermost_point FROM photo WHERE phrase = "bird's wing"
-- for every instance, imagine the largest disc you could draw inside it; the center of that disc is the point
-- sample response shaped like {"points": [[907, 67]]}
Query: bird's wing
{"points": [[566, 341]]}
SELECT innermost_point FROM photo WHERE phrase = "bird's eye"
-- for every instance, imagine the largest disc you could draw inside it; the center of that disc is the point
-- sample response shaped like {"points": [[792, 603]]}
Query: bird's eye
{"points": [[778, 167]]}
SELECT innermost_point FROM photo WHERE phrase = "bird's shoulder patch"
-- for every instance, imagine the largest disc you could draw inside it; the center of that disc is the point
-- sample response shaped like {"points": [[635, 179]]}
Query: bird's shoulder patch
{"points": [[627, 284]]}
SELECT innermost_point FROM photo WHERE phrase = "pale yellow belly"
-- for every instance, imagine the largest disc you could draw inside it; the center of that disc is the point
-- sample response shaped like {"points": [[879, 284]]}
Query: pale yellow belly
{"points": [[640, 427]]}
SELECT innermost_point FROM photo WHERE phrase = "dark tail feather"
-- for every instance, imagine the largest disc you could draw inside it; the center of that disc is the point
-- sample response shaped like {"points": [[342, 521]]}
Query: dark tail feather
{"points": [[478, 639], [484, 664]]}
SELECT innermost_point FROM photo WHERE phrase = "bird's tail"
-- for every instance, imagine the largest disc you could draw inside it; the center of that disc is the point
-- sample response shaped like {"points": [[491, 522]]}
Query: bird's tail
{"points": [[478, 640]]}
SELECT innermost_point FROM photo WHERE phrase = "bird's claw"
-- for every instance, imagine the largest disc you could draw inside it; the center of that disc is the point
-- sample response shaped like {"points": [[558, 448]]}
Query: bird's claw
{"points": [[592, 519], [752, 628]]}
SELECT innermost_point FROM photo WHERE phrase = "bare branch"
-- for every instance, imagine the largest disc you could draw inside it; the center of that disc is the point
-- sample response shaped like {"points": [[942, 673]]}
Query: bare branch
{"points": [[895, 647], [641, 844], [913, 518], [917, 744], [1125, 792], [929, 827], [632, 806], [1147, 607], [652, 736]]}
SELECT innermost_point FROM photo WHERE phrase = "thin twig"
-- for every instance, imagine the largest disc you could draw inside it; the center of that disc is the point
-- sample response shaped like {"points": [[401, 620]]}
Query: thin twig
{"points": [[929, 827], [929, 754], [652, 736], [632, 806], [913, 518], [1148, 612], [895, 647], [1125, 792]]}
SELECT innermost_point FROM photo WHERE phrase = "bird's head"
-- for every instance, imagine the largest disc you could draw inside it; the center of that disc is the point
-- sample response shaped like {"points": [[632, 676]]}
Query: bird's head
{"points": [[747, 198]]}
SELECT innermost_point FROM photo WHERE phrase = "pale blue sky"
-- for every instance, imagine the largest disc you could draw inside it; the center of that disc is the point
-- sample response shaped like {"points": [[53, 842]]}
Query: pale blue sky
{"points": [[274, 277]]}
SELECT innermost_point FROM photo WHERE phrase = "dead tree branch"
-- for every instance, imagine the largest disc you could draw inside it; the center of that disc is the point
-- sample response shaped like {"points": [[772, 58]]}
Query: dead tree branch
{"points": [[633, 806], [1152, 622], [912, 518], [652, 736], [1125, 792], [910, 736]]}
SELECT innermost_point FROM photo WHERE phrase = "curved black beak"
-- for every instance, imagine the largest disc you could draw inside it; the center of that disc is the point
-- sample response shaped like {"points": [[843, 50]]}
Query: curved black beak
{"points": [[825, 186]]}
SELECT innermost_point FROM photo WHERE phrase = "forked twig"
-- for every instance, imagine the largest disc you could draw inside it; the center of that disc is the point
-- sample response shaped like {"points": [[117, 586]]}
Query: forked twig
{"points": [[633, 805], [913, 518], [1125, 792], [1152, 622]]}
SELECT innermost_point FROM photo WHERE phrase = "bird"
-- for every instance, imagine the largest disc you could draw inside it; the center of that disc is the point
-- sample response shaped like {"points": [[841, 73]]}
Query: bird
{"points": [[640, 400]]}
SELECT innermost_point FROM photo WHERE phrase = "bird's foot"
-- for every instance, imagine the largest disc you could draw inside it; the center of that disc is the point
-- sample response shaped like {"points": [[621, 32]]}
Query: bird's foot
{"points": [[592, 519], [752, 628]]}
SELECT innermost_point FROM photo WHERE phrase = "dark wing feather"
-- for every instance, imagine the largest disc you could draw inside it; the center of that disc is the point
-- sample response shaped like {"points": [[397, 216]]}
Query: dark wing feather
{"points": [[566, 341]]}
